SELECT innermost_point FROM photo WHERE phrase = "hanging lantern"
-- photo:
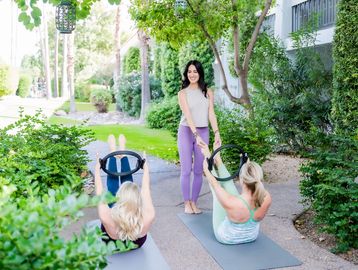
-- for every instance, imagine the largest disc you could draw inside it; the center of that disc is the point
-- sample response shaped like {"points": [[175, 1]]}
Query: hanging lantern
{"points": [[65, 17], [179, 6]]}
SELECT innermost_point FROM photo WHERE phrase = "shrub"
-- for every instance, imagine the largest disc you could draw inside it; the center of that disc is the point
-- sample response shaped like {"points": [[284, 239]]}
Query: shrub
{"points": [[170, 77], [23, 89], [83, 92], [165, 115], [345, 51], [291, 95], [132, 60], [39, 156], [9, 80], [101, 99], [252, 134], [329, 185], [30, 232], [128, 95]]}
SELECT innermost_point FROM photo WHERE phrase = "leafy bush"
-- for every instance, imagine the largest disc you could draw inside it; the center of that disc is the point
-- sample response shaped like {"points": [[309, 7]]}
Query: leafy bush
{"points": [[30, 232], [171, 76], [329, 185], [9, 80], [291, 95], [132, 60], [83, 92], [101, 98], [36, 156], [202, 52], [252, 135], [23, 89], [165, 115], [128, 95], [345, 51]]}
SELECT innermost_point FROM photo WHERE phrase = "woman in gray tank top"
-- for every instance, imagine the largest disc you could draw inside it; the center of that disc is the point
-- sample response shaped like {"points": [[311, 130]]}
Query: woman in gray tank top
{"points": [[196, 102]]}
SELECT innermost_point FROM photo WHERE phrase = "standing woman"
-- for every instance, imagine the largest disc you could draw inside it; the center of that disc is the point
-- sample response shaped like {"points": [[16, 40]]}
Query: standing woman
{"points": [[196, 102]]}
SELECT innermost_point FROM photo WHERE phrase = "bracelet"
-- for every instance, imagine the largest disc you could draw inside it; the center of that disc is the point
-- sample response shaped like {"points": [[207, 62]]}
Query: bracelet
{"points": [[195, 134], [216, 131]]}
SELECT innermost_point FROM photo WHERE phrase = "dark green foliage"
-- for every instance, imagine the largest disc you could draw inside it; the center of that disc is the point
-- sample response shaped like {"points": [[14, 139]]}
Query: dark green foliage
{"points": [[165, 115], [330, 186], [101, 98], [157, 68], [131, 60], [23, 90], [345, 51], [202, 52], [171, 77], [252, 135], [31, 232], [42, 156], [9, 79], [291, 95], [129, 94]]}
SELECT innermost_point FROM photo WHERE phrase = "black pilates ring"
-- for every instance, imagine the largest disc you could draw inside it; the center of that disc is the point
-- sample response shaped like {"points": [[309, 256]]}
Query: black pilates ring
{"points": [[139, 165], [243, 159]]}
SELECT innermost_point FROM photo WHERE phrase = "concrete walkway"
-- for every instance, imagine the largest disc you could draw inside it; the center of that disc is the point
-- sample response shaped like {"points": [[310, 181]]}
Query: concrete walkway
{"points": [[183, 251], [10, 105]]}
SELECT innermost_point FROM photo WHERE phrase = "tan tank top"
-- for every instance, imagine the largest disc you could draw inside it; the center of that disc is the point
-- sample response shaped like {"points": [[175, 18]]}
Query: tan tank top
{"points": [[198, 106]]}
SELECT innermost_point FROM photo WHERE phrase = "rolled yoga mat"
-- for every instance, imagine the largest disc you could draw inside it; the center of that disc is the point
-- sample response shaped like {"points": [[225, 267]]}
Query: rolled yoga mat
{"points": [[260, 254], [147, 257]]}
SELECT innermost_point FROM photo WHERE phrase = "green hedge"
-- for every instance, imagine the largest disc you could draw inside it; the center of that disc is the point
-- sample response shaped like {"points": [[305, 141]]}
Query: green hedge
{"points": [[131, 61], [329, 185], [23, 89], [252, 135], [40, 156], [171, 76], [128, 96], [345, 51], [165, 115]]}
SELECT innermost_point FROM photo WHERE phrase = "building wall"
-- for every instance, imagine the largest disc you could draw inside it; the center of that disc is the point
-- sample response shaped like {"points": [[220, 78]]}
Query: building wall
{"points": [[279, 21]]}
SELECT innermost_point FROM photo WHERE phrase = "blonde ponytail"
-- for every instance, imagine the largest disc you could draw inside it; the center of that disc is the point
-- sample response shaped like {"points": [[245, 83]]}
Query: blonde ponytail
{"points": [[127, 212], [251, 174]]}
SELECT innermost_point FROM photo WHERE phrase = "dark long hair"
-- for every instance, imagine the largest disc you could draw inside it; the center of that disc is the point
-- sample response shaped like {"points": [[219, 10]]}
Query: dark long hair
{"points": [[199, 68]]}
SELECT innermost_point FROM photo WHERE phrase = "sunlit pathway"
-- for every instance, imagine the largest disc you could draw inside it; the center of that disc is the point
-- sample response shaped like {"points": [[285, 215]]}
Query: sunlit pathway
{"points": [[10, 105]]}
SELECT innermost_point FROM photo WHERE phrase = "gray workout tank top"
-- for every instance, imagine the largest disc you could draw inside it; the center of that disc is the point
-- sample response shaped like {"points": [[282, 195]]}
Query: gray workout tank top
{"points": [[198, 106]]}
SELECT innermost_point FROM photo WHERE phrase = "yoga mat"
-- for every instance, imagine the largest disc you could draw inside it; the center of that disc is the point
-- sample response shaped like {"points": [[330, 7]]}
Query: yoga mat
{"points": [[261, 254], [148, 257]]}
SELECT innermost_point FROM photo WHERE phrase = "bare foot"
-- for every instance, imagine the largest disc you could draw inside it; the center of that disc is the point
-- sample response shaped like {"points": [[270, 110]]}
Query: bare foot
{"points": [[187, 208], [111, 143], [196, 210], [122, 142]]}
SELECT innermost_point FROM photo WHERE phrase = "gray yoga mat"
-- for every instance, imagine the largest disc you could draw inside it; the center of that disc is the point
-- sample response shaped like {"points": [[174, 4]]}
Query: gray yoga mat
{"points": [[148, 257], [261, 254]]}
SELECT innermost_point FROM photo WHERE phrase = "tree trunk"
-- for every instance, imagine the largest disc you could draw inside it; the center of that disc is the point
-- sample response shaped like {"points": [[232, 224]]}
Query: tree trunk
{"points": [[71, 71], [64, 91], [55, 78], [144, 48], [117, 47], [46, 53]]}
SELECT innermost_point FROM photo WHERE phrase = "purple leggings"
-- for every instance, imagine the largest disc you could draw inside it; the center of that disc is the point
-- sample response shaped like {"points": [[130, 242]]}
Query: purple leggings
{"points": [[187, 146]]}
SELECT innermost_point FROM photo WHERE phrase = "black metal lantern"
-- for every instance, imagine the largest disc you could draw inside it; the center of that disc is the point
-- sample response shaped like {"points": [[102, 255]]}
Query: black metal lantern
{"points": [[66, 17]]}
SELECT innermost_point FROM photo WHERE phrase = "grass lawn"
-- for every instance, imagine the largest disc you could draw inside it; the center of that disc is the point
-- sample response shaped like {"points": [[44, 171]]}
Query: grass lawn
{"points": [[85, 107], [154, 141], [61, 120]]}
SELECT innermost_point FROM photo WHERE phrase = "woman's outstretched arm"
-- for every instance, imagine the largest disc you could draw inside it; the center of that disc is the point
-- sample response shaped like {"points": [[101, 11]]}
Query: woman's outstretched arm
{"points": [[103, 209], [148, 207]]}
